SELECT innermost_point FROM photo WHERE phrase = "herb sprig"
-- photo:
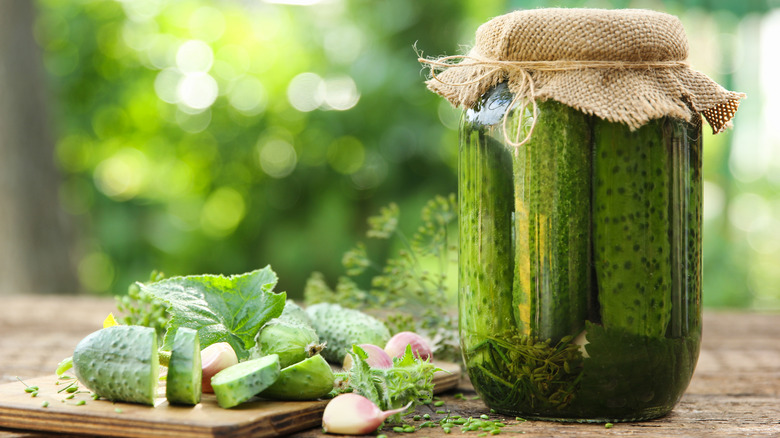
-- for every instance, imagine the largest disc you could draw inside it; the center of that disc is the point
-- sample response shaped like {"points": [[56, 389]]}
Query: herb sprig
{"points": [[409, 380], [142, 308], [403, 283]]}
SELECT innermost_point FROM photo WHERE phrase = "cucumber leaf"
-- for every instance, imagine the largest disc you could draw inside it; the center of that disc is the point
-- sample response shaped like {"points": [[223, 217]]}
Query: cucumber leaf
{"points": [[222, 309]]}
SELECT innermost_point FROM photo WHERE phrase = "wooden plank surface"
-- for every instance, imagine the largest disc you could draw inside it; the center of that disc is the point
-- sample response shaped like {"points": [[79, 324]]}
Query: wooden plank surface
{"points": [[257, 418], [734, 392]]}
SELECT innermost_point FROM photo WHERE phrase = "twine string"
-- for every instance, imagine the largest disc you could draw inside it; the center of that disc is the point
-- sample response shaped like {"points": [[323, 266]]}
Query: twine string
{"points": [[526, 92]]}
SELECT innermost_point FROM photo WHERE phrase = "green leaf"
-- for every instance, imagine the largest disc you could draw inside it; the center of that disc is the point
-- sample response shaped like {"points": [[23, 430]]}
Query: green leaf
{"points": [[360, 378], [407, 359], [222, 309]]}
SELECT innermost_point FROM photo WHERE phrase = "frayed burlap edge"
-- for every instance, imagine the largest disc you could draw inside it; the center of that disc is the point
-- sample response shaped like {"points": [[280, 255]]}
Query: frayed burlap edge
{"points": [[626, 66], [629, 96]]}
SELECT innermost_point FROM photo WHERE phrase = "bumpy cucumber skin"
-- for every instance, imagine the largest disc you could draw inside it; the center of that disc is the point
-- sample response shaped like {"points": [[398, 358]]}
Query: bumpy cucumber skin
{"points": [[485, 199], [236, 384], [306, 380], [183, 383], [631, 226], [340, 327], [119, 363], [288, 339], [524, 222], [693, 218], [295, 313], [552, 224], [684, 146]]}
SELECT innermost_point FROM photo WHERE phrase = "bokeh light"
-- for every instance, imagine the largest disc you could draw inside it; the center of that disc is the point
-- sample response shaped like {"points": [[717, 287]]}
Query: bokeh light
{"points": [[277, 158], [194, 56], [222, 212], [197, 90], [248, 95], [306, 92], [218, 136], [341, 93], [346, 155], [123, 175], [96, 271]]}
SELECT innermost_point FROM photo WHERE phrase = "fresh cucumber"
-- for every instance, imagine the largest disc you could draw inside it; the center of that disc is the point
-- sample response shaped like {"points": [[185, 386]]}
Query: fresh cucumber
{"points": [[631, 226], [239, 383], [119, 363], [295, 313], [340, 328], [309, 379], [291, 340], [183, 383]]}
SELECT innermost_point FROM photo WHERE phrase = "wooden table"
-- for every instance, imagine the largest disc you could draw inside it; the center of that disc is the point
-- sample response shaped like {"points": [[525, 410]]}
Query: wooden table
{"points": [[734, 392]]}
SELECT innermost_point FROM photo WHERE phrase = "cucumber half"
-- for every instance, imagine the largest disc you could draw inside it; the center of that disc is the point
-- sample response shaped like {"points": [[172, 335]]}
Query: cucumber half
{"points": [[183, 384], [119, 363], [308, 379], [238, 383]]}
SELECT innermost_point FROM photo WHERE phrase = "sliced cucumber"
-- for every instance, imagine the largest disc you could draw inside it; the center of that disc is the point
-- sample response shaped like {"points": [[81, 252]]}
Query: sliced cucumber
{"points": [[238, 383], [119, 363], [309, 379], [183, 384]]}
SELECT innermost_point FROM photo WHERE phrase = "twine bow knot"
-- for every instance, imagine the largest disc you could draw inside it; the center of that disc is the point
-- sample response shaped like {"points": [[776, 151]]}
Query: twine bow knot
{"points": [[525, 91]]}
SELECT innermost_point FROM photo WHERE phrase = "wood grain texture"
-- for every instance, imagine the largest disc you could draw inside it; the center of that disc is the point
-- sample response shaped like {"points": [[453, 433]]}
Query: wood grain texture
{"points": [[256, 418], [18, 410], [735, 390]]}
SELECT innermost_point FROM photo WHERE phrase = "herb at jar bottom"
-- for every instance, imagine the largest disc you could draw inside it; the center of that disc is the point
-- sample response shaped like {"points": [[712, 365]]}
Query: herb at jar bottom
{"points": [[513, 369]]}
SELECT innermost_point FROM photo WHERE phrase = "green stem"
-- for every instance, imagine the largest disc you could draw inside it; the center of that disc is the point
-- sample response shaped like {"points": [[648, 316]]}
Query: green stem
{"points": [[415, 262], [64, 366]]}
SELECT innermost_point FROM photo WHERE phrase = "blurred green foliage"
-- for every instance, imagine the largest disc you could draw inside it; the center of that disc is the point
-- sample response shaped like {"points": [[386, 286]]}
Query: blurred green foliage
{"points": [[201, 136], [220, 136]]}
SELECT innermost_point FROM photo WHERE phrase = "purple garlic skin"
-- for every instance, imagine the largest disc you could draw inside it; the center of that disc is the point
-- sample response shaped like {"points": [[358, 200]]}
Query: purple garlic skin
{"points": [[215, 358], [396, 346], [353, 414], [377, 358]]}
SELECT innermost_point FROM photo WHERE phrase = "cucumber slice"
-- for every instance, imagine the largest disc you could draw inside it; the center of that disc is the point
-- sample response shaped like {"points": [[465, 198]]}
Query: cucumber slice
{"points": [[238, 383], [183, 384], [119, 363], [309, 379]]}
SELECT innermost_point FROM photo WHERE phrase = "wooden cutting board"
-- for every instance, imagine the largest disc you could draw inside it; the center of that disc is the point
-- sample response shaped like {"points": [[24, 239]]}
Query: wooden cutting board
{"points": [[257, 418]]}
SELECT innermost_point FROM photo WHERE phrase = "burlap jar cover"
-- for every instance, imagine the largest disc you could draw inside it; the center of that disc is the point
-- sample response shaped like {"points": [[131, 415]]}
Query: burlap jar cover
{"points": [[627, 66]]}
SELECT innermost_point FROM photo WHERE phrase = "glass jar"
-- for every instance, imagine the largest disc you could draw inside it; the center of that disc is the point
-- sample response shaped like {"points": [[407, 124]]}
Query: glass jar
{"points": [[579, 262]]}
